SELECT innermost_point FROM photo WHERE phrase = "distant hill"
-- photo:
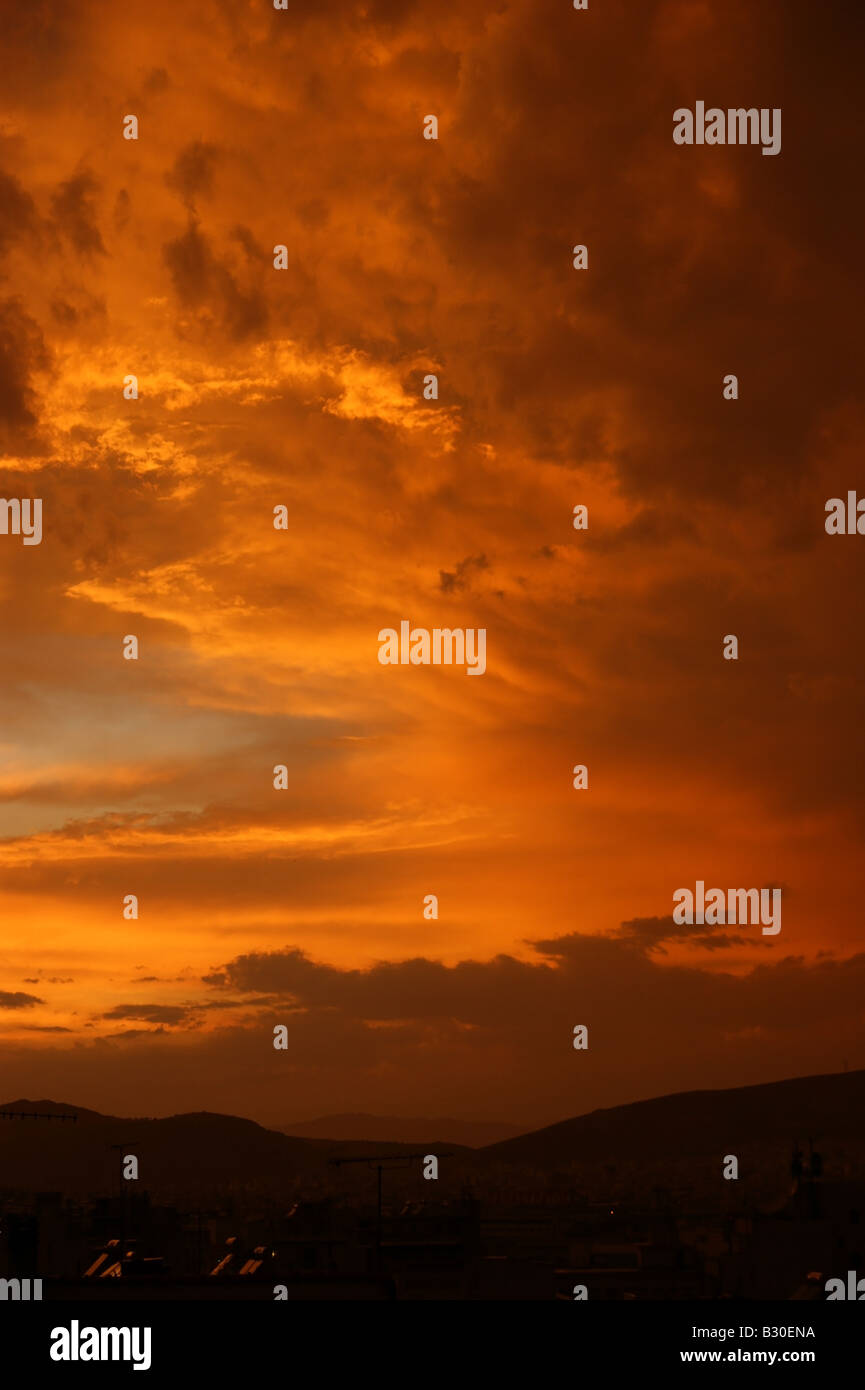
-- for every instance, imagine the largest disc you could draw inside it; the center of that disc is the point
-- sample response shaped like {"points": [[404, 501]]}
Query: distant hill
{"points": [[377, 1128], [198, 1152], [51, 1107], [203, 1153], [694, 1123]]}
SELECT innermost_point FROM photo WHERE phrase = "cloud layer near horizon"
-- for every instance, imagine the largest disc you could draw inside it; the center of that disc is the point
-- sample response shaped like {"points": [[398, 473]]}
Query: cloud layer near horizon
{"points": [[467, 1036]]}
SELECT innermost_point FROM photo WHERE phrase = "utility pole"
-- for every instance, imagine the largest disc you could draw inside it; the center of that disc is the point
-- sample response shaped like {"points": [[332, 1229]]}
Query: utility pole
{"points": [[123, 1212], [380, 1160]]}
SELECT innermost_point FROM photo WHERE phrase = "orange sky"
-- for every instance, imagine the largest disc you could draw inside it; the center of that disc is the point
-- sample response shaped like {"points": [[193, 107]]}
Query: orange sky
{"points": [[258, 647]]}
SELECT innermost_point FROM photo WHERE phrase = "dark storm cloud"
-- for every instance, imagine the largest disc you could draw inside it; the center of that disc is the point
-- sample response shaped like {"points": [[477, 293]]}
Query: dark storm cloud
{"points": [[450, 581], [604, 973], [190, 264], [73, 208], [650, 933], [18, 1000], [168, 1014], [17, 211], [44, 1028], [149, 1013], [130, 1035], [192, 171], [22, 352], [207, 284]]}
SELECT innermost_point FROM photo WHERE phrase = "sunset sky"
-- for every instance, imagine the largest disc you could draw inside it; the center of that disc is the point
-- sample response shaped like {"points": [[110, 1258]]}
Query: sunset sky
{"points": [[258, 647]]}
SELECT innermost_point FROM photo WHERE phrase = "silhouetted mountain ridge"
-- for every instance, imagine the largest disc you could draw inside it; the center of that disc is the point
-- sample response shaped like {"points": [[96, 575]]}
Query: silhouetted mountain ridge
{"points": [[53, 1107], [694, 1123], [200, 1150], [204, 1151]]}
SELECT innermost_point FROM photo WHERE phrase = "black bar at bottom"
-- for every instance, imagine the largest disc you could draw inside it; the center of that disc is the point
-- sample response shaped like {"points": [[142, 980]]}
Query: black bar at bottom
{"points": [[224, 1338]]}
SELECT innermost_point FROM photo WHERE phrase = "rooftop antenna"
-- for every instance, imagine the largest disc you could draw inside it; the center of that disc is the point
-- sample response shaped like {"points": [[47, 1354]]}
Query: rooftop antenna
{"points": [[379, 1160]]}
